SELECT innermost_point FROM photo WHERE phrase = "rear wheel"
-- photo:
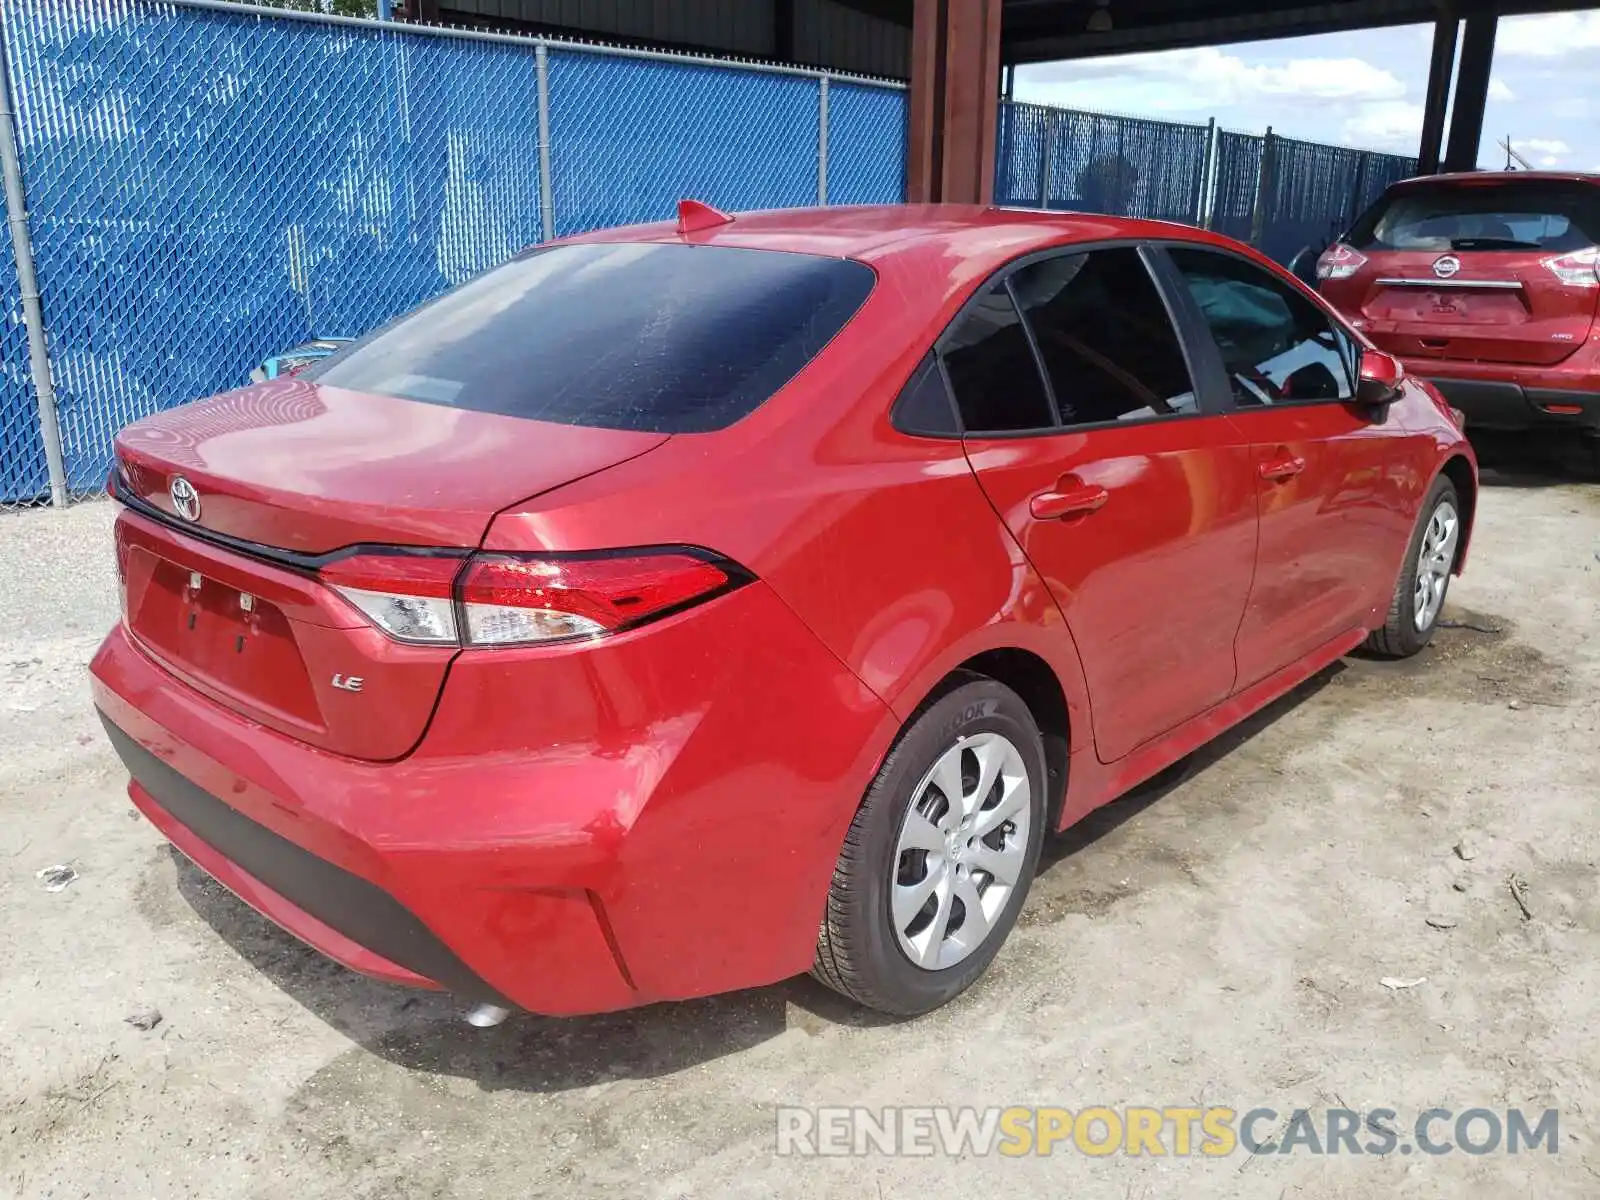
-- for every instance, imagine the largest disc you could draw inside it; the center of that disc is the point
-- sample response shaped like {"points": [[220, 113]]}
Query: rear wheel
{"points": [[940, 855], [1424, 577]]}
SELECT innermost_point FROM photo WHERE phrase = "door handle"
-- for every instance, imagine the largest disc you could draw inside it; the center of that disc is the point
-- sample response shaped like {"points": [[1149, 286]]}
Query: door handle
{"points": [[1066, 502], [1278, 470]]}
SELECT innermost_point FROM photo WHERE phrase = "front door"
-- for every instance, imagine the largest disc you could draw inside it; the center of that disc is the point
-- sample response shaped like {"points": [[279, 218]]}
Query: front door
{"points": [[1135, 504], [1323, 464]]}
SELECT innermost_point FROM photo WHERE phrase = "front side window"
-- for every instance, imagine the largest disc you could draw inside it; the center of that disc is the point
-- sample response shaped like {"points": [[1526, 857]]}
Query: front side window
{"points": [[1278, 347], [992, 369], [1108, 345]]}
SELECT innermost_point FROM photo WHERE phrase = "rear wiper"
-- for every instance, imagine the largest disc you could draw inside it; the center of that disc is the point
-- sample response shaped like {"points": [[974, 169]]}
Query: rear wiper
{"points": [[1492, 243]]}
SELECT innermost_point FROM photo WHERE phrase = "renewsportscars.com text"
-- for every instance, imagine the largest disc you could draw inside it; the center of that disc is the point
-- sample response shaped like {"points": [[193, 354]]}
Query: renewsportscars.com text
{"points": [[1176, 1131]]}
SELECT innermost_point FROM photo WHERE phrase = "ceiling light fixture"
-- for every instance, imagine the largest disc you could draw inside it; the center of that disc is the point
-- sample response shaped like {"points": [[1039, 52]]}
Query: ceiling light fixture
{"points": [[1100, 18]]}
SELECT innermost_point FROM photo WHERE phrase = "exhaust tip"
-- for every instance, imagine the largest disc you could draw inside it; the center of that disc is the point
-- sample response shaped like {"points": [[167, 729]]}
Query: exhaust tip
{"points": [[487, 1016]]}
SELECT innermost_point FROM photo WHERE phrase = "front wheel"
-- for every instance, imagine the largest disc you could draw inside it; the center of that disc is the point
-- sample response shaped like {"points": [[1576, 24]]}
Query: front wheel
{"points": [[940, 855], [1424, 577]]}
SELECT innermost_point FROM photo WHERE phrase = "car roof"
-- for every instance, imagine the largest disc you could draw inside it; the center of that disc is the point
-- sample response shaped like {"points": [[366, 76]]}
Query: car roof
{"points": [[974, 236], [1470, 178]]}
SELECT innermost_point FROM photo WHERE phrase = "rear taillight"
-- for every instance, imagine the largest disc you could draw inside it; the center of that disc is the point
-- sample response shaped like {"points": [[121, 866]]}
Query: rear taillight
{"points": [[1340, 261], [523, 599], [409, 596], [1581, 268], [512, 598]]}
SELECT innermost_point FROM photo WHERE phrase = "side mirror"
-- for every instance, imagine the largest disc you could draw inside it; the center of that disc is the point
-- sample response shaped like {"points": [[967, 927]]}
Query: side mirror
{"points": [[1382, 376], [1303, 266]]}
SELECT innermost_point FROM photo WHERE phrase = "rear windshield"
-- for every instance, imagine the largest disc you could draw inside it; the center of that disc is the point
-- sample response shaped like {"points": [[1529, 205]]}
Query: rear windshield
{"points": [[661, 338], [1533, 214]]}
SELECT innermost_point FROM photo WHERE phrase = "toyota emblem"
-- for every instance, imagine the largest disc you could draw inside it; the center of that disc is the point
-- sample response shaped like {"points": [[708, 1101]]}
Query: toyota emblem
{"points": [[185, 500], [1446, 267]]}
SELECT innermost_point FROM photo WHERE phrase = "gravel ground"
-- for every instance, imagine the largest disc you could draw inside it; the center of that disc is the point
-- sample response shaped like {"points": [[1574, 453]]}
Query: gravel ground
{"points": [[1217, 938]]}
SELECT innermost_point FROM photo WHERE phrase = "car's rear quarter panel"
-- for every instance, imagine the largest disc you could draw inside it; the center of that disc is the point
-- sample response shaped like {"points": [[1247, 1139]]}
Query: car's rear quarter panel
{"points": [[883, 544]]}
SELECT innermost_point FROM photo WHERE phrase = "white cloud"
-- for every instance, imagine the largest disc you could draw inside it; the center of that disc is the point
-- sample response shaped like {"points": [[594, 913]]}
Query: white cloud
{"points": [[1389, 126], [1500, 90], [1553, 35], [1206, 78], [1549, 151]]}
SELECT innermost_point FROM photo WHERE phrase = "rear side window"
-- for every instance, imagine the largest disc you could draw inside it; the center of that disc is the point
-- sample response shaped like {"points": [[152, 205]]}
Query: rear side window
{"points": [[660, 338], [992, 369], [1533, 214], [1278, 347], [1107, 342], [923, 406]]}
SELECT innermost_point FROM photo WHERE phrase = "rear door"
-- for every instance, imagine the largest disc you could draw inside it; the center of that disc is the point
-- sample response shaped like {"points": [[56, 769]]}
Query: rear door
{"points": [[1322, 465], [1493, 270], [1133, 501]]}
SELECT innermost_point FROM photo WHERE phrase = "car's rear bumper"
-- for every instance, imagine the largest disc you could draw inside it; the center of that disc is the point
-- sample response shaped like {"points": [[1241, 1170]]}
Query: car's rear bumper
{"points": [[346, 917], [648, 818], [1490, 404], [1492, 396]]}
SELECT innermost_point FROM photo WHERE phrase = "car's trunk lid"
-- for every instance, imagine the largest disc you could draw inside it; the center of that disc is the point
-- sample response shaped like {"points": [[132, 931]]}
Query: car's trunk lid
{"points": [[1486, 308], [289, 477], [309, 469]]}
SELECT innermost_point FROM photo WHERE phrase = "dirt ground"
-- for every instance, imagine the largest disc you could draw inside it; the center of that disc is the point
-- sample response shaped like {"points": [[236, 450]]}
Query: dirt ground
{"points": [[1215, 939]]}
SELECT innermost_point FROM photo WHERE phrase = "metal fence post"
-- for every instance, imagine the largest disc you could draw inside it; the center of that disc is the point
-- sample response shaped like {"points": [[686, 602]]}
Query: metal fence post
{"points": [[1047, 156], [1208, 163], [1264, 173], [822, 141], [547, 201], [28, 281]]}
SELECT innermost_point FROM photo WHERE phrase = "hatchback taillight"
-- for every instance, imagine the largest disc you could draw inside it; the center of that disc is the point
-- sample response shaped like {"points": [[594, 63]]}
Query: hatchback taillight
{"points": [[522, 599], [1581, 268], [1340, 261]]}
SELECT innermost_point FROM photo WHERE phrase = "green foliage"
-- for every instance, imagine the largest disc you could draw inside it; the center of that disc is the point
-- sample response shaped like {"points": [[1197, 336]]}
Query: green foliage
{"points": [[342, 8]]}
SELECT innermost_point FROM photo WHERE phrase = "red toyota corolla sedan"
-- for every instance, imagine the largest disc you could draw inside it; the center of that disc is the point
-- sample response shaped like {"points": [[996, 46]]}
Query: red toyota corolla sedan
{"points": [[679, 608]]}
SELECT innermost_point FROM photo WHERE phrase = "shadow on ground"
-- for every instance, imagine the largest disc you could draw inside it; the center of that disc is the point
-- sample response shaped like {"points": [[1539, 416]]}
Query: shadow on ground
{"points": [[1103, 821], [426, 1031], [1541, 458]]}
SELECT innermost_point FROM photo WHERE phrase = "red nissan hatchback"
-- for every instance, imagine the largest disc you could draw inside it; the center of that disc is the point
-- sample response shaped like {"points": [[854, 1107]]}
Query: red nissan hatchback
{"points": [[1486, 285], [678, 608]]}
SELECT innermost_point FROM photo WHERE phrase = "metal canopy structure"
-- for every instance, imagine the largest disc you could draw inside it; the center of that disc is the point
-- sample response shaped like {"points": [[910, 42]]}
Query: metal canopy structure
{"points": [[959, 45], [1052, 30]]}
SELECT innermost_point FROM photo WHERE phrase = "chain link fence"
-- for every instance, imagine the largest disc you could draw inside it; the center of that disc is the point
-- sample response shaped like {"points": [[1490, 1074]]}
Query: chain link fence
{"points": [[631, 136], [208, 183], [1059, 158], [1313, 192], [1235, 184], [24, 474], [1280, 194]]}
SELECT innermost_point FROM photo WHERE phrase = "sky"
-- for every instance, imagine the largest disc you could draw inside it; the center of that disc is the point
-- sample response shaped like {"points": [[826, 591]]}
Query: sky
{"points": [[1356, 89]]}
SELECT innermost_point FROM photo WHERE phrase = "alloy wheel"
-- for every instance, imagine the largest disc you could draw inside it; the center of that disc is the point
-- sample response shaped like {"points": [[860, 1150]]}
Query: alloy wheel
{"points": [[962, 848], [1435, 560]]}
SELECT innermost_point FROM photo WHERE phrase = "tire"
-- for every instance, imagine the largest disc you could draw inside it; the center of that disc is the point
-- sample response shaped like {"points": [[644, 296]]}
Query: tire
{"points": [[860, 952], [1407, 629]]}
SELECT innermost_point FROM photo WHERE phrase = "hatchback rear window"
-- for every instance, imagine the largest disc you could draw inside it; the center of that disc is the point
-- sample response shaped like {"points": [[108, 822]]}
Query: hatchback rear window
{"points": [[655, 337], [1529, 214]]}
